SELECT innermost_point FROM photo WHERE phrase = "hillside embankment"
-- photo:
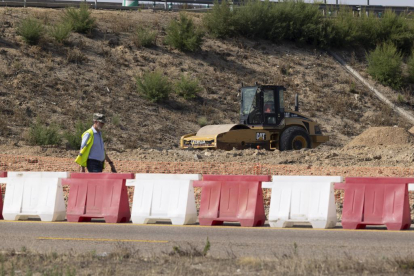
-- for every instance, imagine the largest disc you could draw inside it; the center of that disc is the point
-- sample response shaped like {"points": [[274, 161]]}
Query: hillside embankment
{"points": [[62, 84]]}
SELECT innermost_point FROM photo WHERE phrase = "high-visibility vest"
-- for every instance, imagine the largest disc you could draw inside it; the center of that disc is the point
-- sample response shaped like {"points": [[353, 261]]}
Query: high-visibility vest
{"points": [[82, 158]]}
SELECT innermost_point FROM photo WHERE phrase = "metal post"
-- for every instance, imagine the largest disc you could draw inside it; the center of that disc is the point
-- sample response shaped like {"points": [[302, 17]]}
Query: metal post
{"points": [[367, 2], [96, 4], [25, 3]]}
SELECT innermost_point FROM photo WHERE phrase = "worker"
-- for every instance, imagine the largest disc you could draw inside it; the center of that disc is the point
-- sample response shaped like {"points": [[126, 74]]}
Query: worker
{"points": [[92, 153]]}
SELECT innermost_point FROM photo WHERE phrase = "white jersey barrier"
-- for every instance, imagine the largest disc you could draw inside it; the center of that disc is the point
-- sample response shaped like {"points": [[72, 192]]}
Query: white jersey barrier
{"points": [[302, 199], [162, 197], [34, 194]]}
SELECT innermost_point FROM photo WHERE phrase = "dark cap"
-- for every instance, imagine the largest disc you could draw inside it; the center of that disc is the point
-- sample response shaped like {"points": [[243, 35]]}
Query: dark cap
{"points": [[99, 117]]}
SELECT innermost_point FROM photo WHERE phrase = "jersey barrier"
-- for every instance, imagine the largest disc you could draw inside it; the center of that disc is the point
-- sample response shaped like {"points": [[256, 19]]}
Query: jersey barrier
{"points": [[164, 196], [34, 194], [302, 199]]}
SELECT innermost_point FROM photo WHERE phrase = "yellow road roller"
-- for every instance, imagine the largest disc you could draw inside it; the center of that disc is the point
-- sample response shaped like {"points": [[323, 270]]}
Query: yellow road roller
{"points": [[264, 124]]}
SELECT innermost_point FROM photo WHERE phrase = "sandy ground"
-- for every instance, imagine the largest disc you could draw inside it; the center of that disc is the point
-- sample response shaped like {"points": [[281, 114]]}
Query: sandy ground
{"points": [[376, 147]]}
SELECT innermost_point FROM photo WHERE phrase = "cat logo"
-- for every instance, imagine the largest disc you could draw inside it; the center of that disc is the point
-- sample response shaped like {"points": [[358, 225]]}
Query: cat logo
{"points": [[260, 136]]}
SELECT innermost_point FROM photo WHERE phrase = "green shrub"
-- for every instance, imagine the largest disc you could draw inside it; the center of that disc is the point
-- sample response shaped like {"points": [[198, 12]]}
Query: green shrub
{"points": [[410, 65], [384, 65], [144, 37], [183, 34], [31, 30], [296, 21], [291, 20], [219, 22], [39, 134], [60, 32], [80, 19], [202, 121], [116, 120], [368, 30], [255, 19], [302, 22], [187, 88], [153, 86], [395, 28], [75, 137], [350, 31]]}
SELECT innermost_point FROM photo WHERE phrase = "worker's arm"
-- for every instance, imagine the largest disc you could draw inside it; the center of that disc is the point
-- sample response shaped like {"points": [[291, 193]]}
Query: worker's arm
{"points": [[110, 163]]}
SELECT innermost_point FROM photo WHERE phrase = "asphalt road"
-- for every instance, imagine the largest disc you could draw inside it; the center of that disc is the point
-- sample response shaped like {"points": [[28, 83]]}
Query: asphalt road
{"points": [[229, 240]]}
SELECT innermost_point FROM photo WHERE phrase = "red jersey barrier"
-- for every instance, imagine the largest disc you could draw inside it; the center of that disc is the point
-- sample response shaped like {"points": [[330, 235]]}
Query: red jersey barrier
{"points": [[376, 201], [2, 174], [98, 195], [232, 198]]}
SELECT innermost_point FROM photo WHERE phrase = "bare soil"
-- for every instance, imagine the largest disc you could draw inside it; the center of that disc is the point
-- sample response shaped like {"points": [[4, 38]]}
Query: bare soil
{"points": [[45, 83], [376, 147]]}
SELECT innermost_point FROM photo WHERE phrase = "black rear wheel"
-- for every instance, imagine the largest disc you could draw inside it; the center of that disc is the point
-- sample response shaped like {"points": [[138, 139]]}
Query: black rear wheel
{"points": [[294, 138]]}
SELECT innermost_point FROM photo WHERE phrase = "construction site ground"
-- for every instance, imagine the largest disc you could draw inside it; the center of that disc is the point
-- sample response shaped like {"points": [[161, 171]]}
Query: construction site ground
{"points": [[376, 147]]}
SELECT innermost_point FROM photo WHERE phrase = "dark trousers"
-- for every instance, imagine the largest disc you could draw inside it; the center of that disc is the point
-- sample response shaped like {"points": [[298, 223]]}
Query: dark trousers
{"points": [[94, 166]]}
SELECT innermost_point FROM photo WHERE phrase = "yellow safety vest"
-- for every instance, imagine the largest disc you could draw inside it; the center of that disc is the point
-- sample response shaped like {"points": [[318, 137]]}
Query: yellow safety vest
{"points": [[82, 158]]}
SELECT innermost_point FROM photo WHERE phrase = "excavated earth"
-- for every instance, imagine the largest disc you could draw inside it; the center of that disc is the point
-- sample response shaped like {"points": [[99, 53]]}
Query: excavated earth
{"points": [[376, 147]]}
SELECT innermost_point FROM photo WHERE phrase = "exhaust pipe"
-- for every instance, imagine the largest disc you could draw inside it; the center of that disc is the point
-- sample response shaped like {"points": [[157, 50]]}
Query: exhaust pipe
{"points": [[296, 102]]}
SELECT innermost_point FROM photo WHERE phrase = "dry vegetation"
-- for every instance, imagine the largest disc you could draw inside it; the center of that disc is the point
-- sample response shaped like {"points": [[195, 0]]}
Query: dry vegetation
{"points": [[63, 83]]}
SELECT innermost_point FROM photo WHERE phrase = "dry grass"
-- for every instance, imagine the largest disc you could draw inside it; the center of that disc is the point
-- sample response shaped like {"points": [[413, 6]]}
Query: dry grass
{"points": [[122, 25], [76, 56], [125, 260]]}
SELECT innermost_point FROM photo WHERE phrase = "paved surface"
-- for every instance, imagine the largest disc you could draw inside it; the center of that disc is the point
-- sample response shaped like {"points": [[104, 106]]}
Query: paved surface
{"points": [[225, 241]]}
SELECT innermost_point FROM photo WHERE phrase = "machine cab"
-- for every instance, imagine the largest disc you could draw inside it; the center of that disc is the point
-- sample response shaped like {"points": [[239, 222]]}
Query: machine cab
{"points": [[262, 105]]}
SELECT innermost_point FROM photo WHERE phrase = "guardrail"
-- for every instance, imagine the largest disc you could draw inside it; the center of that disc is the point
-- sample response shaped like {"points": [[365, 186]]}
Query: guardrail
{"points": [[163, 5], [368, 8], [97, 4]]}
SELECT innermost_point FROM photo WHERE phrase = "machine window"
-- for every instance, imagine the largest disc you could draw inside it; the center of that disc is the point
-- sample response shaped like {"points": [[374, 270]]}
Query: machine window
{"points": [[269, 101], [249, 99], [271, 120], [281, 101], [251, 105]]}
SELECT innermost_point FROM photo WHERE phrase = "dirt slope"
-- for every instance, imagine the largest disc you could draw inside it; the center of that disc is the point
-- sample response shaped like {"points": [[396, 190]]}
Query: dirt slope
{"points": [[44, 83]]}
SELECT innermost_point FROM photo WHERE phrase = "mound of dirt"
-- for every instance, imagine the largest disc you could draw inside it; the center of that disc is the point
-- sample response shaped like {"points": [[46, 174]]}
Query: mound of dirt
{"points": [[382, 136]]}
